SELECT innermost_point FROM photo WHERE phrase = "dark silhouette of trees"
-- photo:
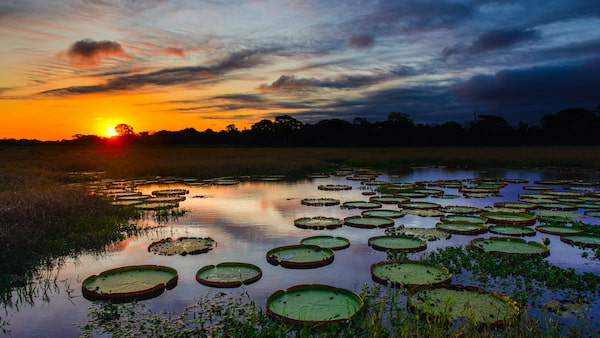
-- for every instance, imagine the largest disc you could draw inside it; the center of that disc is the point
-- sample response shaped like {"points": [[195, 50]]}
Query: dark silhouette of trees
{"points": [[124, 130], [490, 130], [571, 126]]}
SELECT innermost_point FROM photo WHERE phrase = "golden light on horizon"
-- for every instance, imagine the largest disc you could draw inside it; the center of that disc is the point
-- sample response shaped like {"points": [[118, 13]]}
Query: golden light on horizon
{"points": [[110, 131]]}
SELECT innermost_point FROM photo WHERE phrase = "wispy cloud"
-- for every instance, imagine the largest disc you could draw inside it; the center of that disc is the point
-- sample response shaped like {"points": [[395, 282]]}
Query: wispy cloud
{"points": [[492, 40], [89, 53]]}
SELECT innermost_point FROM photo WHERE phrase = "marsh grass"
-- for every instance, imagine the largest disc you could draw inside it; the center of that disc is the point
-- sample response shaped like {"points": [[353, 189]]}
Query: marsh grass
{"points": [[236, 315]]}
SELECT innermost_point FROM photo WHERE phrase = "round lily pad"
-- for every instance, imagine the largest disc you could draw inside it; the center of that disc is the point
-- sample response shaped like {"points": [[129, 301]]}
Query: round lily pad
{"points": [[557, 206], [313, 304], [558, 229], [318, 223], [409, 273], [454, 302], [419, 205], [410, 194], [169, 192], [593, 213], [228, 274], [369, 222], [589, 241], [382, 213], [512, 230], [460, 209], [463, 218], [320, 201], [361, 205], [515, 205], [334, 187], [507, 245], [424, 212], [428, 234], [559, 193], [537, 188], [300, 256], [129, 283], [156, 205], [406, 243], [388, 199], [462, 228], [333, 243], [547, 214], [182, 246], [510, 218]]}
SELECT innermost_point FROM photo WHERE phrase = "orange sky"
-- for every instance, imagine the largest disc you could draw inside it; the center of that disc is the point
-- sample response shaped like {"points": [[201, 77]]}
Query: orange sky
{"points": [[80, 67]]}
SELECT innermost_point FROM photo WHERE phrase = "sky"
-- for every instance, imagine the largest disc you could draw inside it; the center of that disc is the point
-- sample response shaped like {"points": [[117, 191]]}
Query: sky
{"points": [[82, 66]]}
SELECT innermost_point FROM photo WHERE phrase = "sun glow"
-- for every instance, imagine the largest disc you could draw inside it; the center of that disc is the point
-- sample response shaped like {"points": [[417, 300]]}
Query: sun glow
{"points": [[110, 131]]}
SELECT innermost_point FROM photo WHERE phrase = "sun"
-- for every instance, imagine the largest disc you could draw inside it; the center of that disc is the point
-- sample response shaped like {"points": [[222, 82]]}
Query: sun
{"points": [[110, 131]]}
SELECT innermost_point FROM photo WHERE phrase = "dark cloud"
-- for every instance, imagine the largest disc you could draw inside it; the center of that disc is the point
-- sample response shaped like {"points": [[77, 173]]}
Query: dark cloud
{"points": [[169, 76], [291, 82], [361, 41], [88, 53], [492, 40], [549, 87]]}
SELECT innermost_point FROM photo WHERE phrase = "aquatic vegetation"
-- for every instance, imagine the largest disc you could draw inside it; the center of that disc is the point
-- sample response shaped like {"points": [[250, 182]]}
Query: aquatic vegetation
{"points": [[229, 274]]}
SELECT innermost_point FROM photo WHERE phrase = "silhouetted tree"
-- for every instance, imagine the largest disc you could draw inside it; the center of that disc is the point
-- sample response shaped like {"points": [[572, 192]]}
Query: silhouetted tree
{"points": [[124, 130], [571, 126], [490, 130]]}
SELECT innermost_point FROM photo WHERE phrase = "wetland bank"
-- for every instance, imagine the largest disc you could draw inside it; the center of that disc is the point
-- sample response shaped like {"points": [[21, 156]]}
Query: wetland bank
{"points": [[257, 212]]}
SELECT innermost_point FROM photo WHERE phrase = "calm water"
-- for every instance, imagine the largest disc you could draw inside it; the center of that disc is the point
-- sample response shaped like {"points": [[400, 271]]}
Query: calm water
{"points": [[246, 221]]}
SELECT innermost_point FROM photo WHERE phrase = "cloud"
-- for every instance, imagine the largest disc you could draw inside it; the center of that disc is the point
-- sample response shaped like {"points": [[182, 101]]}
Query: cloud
{"points": [[361, 41], [291, 82], [492, 40], [88, 53], [558, 86]]}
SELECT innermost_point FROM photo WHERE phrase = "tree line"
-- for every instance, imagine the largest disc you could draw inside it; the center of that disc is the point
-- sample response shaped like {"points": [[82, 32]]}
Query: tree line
{"points": [[572, 126]]}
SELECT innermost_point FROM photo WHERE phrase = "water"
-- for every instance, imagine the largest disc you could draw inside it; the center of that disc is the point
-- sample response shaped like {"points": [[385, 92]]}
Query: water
{"points": [[249, 219]]}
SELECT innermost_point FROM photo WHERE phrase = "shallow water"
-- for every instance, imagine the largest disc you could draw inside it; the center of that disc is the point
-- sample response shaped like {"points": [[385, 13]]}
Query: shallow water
{"points": [[249, 219]]}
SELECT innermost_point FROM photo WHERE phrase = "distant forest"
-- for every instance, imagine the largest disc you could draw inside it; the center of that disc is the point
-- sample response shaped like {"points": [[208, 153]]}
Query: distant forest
{"points": [[573, 126]]}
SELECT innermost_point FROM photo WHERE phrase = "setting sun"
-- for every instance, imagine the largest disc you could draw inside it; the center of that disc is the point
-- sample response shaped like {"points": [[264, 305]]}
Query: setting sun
{"points": [[110, 131]]}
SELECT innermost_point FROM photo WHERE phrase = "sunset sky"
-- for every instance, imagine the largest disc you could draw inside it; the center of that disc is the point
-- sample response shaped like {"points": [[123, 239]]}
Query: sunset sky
{"points": [[82, 66]]}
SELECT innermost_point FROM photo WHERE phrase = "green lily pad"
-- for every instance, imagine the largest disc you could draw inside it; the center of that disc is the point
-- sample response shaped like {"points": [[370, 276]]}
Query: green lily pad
{"points": [[313, 304], [330, 242], [455, 302], [170, 192], [382, 213], [420, 205], [320, 201], [513, 246], [557, 206], [424, 212], [463, 218], [406, 243], [129, 283], [462, 228], [428, 234], [589, 241], [593, 213], [182, 246], [388, 199], [509, 218], [512, 230], [361, 205], [369, 222], [460, 209], [318, 223], [558, 229], [409, 273], [516, 205], [300, 256], [334, 187], [229, 274]]}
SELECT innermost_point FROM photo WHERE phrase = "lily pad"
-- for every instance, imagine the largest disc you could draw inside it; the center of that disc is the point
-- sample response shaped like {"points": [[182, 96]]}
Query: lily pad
{"points": [[593, 213], [318, 223], [557, 206], [513, 246], [558, 229], [420, 205], [228, 274], [424, 212], [512, 230], [556, 213], [300, 256], [589, 241], [516, 205], [170, 192], [156, 205], [361, 205], [428, 234], [320, 201], [460, 209], [129, 283], [462, 228], [313, 304], [330, 242], [383, 213], [369, 222], [409, 273], [455, 302], [463, 218], [406, 243], [510, 218], [182, 246], [334, 187], [388, 199]]}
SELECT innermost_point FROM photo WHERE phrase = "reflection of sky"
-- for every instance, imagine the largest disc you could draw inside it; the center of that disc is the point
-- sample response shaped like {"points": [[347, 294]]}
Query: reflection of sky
{"points": [[249, 219]]}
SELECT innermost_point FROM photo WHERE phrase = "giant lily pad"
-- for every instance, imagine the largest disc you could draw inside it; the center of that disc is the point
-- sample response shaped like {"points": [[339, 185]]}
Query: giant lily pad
{"points": [[382, 213], [463, 218], [516, 218], [170, 192], [409, 273], [593, 213], [420, 205], [334, 187], [320, 201], [130, 283], [516, 205], [388, 199], [462, 228], [300, 256], [454, 302], [548, 214], [318, 223], [558, 229], [589, 241], [333, 243], [508, 230], [460, 209], [406, 243], [313, 304], [361, 205], [368, 222], [182, 246], [428, 234], [557, 206], [513, 246], [229, 274]]}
